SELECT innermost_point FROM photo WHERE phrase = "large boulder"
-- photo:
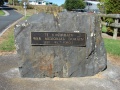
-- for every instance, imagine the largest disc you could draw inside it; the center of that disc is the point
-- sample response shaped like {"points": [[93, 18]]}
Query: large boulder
{"points": [[60, 61]]}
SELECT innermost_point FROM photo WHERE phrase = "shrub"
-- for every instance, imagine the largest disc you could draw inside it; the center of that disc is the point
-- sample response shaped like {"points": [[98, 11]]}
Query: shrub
{"points": [[74, 4]]}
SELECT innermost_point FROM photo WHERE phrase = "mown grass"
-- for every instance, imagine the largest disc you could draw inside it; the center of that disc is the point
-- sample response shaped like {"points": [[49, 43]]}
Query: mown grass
{"points": [[1, 13], [112, 46], [7, 43], [25, 18]]}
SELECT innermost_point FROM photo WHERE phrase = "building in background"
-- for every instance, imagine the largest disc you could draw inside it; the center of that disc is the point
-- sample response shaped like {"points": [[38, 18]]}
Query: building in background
{"points": [[5, 2], [38, 2], [92, 6]]}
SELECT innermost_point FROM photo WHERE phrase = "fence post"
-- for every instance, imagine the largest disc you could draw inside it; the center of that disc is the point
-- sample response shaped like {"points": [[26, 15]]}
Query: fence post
{"points": [[115, 30]]}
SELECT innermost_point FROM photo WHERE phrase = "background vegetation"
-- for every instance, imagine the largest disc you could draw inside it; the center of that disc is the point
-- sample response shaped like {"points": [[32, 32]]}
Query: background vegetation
{"points": [[74, 4], [1, 2], [110, 7], [1, 13], [7, 41], [32, 9]]}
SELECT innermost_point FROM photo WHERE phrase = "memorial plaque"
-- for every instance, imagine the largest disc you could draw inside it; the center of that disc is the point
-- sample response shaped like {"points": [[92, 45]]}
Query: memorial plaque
{"points": [[58, 38]]}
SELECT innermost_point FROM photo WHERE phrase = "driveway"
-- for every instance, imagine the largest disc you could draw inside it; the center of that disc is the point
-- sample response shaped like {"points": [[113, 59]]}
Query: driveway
{"points": [[5, 21]]}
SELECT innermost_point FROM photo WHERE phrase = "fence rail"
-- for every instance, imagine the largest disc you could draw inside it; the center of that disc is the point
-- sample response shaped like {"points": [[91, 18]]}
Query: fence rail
{"points": [[115, 25]]}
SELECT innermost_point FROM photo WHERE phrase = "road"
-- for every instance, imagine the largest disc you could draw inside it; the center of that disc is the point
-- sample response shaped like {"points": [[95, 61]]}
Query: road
{"points": [[5, 21]]}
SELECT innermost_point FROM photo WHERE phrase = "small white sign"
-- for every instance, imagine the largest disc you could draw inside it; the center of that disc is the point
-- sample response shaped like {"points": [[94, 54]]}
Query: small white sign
{"points": [[24, 6], [24, 3]]}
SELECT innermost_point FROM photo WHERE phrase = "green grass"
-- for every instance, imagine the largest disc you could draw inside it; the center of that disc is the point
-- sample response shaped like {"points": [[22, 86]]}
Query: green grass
{"points": [[25, 18], [104, 29], [8, 44], [112, 46], [1, 13]]}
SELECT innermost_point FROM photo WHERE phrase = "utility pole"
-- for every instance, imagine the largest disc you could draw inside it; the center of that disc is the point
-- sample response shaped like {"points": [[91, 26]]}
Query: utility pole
{"points": [[25, 6], [35, 6]]}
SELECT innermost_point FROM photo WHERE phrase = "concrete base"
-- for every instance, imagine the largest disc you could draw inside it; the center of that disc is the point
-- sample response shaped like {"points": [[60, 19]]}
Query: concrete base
{"points": [[10, 79]]}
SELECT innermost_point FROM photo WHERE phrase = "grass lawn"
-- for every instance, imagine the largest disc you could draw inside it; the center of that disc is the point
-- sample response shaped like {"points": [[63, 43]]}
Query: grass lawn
{"points": [[1, 13], [7, 41], [112, 46]]}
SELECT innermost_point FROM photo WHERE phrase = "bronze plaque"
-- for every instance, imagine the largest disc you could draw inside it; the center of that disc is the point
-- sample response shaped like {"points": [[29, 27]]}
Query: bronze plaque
{"points": [[58, 38]]}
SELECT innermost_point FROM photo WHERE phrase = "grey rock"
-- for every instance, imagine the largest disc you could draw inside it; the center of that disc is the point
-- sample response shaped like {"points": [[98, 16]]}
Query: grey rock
{"points": [[61, 61]]}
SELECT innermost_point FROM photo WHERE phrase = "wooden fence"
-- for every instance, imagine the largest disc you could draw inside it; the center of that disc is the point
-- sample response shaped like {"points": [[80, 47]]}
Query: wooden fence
{"points": [[115, 25]]}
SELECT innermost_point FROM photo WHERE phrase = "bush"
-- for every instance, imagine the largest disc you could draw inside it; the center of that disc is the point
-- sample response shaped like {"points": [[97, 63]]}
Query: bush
{"points": [[1, 2], [30, 7], [110, 6], [74, 4]]}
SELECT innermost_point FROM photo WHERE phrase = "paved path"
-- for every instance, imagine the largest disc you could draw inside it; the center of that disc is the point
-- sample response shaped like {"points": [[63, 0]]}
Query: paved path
{"points": [[7, 20]]}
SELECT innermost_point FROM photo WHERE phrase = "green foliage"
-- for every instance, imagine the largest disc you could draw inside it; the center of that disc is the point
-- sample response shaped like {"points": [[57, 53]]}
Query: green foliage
{"points": [[112, 46], [16, 2], [74, 4], [10, 2], [54, 4], [63, 5], [8, 44], [1, 2], [104, 29], [109, 20], [110, 6], [101, 8], [1, 13]]}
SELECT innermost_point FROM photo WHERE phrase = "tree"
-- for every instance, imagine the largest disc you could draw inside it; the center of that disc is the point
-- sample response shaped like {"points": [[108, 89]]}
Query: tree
{"points": [[1, 2], [74, 4], [63, 5], [10, 2], [13, 2], [111, 6], [54, 4]]}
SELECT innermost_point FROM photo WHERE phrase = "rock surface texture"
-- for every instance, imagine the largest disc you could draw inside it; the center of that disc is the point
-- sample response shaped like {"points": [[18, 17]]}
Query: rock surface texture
{"points": [[60, 61]]}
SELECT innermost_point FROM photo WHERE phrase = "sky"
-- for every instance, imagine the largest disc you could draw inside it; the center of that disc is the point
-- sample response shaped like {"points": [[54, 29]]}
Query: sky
{"points": [[58, 2]]}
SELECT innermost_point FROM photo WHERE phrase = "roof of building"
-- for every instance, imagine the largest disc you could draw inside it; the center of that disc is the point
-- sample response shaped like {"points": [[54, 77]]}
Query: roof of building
{"points": [[93, 2]]}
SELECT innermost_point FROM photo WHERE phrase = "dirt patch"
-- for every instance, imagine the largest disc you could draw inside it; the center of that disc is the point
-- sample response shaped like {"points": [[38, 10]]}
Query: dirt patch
{"points": [[114, 59], [104, 35], [7, 53]]}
